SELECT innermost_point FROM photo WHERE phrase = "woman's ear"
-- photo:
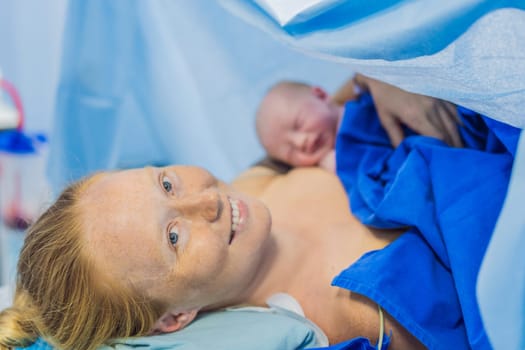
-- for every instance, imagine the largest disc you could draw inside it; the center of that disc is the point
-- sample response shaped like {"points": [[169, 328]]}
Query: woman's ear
{"points": [[173, 321]]}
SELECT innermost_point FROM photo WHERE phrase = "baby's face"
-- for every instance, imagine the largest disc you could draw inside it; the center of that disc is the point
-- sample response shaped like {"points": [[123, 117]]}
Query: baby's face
{"points": [[301, 133]]}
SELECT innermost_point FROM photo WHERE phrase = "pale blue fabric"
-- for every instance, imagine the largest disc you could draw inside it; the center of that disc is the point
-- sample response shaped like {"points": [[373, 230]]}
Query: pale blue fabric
{"points": [[382, 29], [470, 52], [242, 329], [501, 282], [166, 82], [163, 81]]}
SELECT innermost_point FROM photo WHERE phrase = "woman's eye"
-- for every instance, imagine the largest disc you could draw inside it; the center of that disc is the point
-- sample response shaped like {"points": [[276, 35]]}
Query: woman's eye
{"points": [[167, 184], [173, 236]]}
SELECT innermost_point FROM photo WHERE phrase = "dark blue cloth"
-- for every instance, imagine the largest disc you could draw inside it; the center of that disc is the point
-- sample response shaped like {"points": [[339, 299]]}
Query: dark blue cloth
{"points": [[17, 142], [448, 198]]}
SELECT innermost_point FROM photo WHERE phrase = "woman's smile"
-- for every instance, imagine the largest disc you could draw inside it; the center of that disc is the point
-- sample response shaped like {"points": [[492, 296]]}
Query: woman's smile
{"points": [[239, 214]]}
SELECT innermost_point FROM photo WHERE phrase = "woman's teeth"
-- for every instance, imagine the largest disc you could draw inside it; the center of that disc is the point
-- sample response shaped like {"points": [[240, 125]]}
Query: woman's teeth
{"points": [[235, 216]]}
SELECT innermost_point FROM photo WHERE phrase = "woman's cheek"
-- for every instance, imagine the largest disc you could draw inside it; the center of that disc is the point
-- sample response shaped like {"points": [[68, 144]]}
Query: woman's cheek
{"points": [[209, 259]]}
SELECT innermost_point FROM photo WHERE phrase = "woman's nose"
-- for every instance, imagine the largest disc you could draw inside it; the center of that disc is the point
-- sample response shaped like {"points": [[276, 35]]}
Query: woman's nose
{"points": [[196, 178], [205, 204]]}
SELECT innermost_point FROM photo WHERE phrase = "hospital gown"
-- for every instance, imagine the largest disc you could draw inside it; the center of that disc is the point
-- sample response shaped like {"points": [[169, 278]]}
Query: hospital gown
{"points": [[448, 198]]}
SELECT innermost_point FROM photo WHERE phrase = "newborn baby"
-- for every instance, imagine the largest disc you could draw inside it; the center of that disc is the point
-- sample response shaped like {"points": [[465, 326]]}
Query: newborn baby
{"points": [[297, 124]]}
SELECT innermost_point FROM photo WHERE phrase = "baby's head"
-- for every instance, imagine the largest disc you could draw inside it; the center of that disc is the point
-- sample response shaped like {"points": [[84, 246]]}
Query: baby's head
{"points": [[297, 123]]}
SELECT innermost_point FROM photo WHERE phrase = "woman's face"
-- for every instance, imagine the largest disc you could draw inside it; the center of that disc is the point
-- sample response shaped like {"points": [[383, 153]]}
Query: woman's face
{"points": [[176, 233]]}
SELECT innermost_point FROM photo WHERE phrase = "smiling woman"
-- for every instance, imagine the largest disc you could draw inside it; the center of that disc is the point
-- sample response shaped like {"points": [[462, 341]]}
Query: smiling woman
{"points": [[158, 245], [186, 202]]}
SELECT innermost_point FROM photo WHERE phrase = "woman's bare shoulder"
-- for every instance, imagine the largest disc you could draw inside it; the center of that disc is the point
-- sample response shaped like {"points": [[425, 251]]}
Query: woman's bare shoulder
{"points": [[254, 181]]}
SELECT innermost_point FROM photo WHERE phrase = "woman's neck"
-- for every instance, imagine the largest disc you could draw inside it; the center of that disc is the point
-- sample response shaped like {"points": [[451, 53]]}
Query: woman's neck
{"points": [[303, 263], [273, 275]]}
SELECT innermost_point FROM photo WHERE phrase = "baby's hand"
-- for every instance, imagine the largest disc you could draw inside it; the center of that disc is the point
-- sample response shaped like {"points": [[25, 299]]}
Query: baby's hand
{"points": [[328, 161]]}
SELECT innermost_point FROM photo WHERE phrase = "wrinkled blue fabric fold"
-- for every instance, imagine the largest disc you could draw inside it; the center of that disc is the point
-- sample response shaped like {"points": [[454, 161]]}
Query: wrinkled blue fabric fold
{"points": [[393, 279], [469, 52], [372, 29], [449, 197]]}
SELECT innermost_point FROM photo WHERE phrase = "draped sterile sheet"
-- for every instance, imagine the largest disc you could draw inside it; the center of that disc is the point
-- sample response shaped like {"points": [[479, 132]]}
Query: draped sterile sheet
{"points": [[470, 52], [448, 198], [164, 82]]}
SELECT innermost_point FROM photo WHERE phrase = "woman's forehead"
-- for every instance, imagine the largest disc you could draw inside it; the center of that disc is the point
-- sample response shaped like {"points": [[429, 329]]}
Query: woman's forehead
{"points": [[119, 201], [120, 230], [112, 182]]}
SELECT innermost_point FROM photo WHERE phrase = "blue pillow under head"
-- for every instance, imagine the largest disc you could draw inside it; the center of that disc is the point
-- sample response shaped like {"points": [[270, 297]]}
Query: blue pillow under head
{"points": [[244, 328]]}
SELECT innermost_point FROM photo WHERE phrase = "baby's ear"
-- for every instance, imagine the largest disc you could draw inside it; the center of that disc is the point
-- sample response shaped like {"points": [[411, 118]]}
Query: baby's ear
{"points": [[319, 92], [173, 321]]}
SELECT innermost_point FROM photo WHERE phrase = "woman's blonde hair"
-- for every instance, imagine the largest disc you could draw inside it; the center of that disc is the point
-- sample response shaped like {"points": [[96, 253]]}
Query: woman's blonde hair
{"points": [[60, 297]]}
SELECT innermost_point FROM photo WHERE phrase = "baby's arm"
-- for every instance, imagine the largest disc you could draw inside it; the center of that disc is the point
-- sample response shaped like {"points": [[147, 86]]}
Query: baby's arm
{"points": [[328, 161]]}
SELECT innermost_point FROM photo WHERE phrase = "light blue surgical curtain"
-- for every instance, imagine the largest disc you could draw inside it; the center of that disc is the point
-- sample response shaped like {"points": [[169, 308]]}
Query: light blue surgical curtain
{"points": [[162, 82], [471, 52], [501, 282]]}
